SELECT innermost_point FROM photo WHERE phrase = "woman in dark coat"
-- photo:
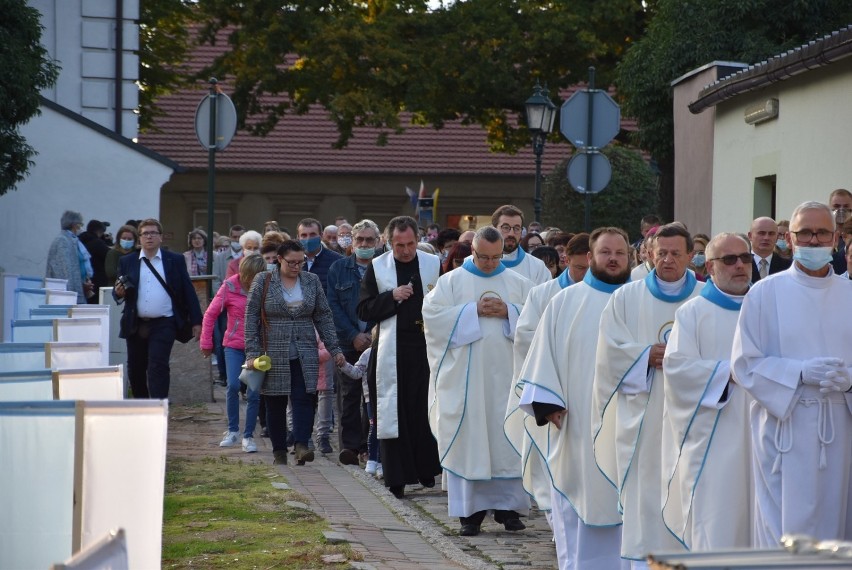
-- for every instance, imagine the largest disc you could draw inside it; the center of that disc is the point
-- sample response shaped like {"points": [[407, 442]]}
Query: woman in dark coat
{"points": [[295, 307]]}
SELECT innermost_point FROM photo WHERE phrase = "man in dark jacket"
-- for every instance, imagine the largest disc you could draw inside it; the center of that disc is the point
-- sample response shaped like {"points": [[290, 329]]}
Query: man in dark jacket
{"points": [[353, 334], [93, 240], [153, 313]]}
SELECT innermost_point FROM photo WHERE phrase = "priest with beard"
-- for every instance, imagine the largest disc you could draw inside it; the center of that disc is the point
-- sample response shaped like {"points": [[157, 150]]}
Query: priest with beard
{"points": [[792, 354], [392, 294], [557, 379], [509, 220], [627, 402], [707, 446], [470, 320]]}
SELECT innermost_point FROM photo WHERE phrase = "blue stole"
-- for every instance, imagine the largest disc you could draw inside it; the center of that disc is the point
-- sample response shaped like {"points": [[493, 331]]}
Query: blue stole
{"points": [[688, 288], [518, 260], [471, 266], [565, 279], [599, 285], [712, 294]]}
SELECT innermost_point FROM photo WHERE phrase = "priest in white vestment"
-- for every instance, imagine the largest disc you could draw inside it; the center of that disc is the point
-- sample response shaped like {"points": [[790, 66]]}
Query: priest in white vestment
{"points": [[627, 403], [557, 380], [509, 220], [792, 352], [533, 469], [707, 502], [470, 319]]}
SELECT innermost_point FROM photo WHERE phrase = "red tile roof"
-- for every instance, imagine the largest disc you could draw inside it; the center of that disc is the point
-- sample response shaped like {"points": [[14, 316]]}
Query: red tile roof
{"points": [[303, 143]]}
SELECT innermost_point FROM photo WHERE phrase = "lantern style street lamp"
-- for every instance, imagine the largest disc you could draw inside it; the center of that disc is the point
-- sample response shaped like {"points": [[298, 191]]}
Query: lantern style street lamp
{"points": [[540, 115]]}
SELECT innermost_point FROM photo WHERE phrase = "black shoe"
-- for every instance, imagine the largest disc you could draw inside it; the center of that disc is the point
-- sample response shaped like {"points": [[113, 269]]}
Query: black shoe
{"points": [[303, 454], [348, 457], [509, 519], [428, 483], [280, 457], [469, 530], [324, 446], [398, 491], [264, 432]]}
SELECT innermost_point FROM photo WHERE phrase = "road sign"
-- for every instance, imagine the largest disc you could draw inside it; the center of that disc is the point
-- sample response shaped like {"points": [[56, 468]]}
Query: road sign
{"points": [[578, 172], [226, 122], [574, 119]]}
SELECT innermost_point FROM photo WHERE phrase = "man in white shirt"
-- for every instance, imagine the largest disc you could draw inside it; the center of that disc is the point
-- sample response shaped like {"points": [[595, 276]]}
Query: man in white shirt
{"points": [[470, 318], [151, 316], [792, 354], [763, 235]]}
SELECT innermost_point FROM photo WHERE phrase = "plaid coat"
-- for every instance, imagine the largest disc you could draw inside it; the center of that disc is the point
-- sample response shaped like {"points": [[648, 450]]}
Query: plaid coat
{"points": [[285, 324]]}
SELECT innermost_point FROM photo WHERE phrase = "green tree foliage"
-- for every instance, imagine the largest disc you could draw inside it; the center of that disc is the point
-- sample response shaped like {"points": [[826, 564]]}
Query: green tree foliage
{"points": [[368, 62], [25, 68], [631, 194], [685, 34]]}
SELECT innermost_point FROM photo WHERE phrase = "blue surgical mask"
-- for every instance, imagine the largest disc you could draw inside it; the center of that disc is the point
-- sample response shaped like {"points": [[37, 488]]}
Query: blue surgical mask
{"points": [[126, 243], [311, 244], [235, 246], [699, 260], [365, 252], [271, 267], [813, 258], [781, 244]]}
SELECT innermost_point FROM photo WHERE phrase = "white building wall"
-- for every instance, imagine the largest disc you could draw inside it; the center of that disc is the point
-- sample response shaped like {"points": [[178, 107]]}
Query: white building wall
{"points": [[79, 169], [80, 34], [807, 147]]}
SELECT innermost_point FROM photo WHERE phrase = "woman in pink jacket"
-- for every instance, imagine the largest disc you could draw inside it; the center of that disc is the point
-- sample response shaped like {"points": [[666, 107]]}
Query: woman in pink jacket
{"points": [[231, 298]]}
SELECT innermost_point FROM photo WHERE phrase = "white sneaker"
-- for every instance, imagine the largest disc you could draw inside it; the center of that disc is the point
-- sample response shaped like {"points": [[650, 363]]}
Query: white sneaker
{"points": [[231, 438], [249, 445], [379, 473], [371, 467]]}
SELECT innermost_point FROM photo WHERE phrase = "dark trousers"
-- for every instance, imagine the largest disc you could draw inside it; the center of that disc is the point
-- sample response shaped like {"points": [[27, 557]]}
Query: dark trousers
{"points": [[219, 329], [148, 352], [303, 411], [350, 400]]}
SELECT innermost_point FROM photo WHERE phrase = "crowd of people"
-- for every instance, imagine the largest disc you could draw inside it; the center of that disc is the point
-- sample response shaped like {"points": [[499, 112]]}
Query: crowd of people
{"points": [[681, 392]]}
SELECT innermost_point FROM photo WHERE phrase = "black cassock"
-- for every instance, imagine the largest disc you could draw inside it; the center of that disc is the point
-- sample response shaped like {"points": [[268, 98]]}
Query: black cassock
{"points": [[413, 456]]}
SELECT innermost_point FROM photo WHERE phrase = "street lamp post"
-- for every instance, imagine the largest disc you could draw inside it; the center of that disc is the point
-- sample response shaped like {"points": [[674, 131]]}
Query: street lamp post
{"points": [[540, 115]]}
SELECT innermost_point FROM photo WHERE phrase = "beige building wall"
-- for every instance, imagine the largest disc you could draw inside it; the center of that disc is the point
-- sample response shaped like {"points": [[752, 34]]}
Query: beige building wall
{"points": [[250, 200], [693, 140], [806, 148]]}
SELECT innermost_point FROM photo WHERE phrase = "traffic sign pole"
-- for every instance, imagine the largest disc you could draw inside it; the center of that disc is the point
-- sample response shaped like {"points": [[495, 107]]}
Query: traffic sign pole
{"points": [[211, 181], [588, 210]]}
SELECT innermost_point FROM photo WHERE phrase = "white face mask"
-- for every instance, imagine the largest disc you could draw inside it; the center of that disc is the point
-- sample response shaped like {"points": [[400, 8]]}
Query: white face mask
{"points": [[271, 267], [813, 258]]}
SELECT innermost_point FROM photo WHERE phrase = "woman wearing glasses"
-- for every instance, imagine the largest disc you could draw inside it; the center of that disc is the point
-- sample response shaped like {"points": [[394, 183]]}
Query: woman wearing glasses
{"points": [[294, 304]]}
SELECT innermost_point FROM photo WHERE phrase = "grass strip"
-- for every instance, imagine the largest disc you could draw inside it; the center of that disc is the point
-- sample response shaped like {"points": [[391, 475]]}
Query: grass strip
{"points": [[221, 513]]}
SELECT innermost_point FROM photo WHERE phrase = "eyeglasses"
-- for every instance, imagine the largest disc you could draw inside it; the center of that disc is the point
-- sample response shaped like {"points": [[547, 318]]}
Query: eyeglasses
{"points": [[149, 234], [506, 228], [732, 259], [495, 258], [823, 236], [295, 264]]}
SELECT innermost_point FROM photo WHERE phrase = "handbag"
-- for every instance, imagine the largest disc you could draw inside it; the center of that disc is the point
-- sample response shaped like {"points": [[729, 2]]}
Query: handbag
{"points": [[252, 377], [184, 332]]}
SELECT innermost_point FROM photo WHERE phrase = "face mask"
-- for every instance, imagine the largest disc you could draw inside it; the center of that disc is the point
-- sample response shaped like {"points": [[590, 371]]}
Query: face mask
{"points": [[344, 241], [235, 246], [443, 255], [365, 252], [813, 258], [699, 260], [271, 267], [126, 243], [310, 244], [781, 244]]}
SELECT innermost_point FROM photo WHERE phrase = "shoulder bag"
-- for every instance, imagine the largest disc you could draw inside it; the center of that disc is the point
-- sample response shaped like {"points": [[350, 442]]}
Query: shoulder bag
{"points": [[184, 332]]}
